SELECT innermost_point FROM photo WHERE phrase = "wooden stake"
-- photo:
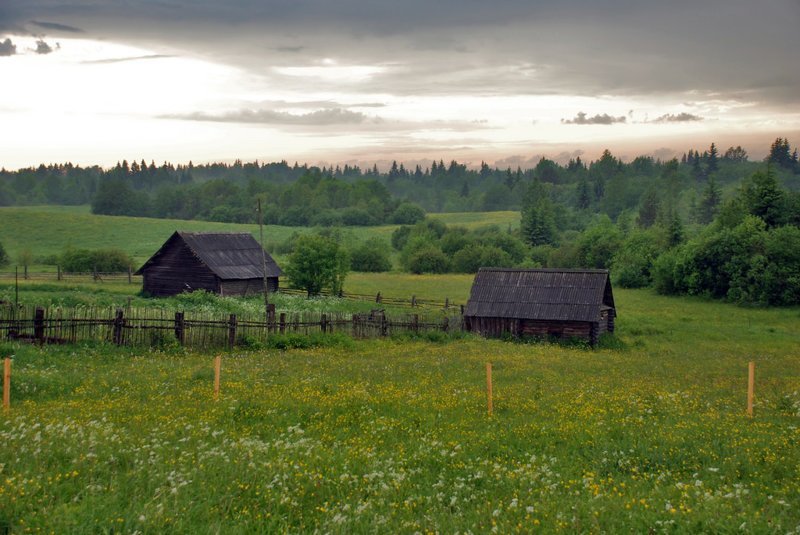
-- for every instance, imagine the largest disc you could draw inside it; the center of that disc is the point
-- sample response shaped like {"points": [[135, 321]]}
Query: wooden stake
{"points": [[489, 386], [7, 383], [217, 371], [751, 382]]}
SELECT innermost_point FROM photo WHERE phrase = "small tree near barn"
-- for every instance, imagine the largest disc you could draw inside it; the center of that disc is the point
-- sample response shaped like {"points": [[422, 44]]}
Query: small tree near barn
{"points": [[318, 262]]}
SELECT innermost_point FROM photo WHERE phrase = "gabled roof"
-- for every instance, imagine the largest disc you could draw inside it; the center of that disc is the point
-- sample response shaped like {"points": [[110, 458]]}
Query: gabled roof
{"points": [[540, 294], [229, 255]]}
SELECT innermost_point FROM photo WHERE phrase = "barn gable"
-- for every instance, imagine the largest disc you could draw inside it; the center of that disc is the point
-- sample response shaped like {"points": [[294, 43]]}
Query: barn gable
{"points": [[561, 302], [227, 263]]}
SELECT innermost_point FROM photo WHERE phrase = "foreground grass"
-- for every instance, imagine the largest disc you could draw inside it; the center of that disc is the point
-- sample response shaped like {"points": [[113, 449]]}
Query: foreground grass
{"points": [[392, 435]]}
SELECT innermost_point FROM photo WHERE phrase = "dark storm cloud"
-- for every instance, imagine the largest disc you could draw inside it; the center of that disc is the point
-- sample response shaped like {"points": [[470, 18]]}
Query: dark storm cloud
{"points": [[715, 48], [682, 117], [605, 119], [54, 26], [7, 48]]}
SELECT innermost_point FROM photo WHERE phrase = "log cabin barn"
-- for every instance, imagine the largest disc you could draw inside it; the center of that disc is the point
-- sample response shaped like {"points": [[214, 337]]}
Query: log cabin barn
{"points": [[225, 263], [563, 303]]}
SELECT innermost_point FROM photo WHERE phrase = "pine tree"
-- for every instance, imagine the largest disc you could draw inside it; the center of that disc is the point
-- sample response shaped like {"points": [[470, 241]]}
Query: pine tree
{"points": [[584, 197], [538, 216], [709, 203], [648, 209], [712, 164]]}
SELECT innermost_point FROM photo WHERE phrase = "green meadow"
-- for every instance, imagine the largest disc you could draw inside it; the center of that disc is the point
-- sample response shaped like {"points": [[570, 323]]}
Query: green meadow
{"points": [[647, 434]]}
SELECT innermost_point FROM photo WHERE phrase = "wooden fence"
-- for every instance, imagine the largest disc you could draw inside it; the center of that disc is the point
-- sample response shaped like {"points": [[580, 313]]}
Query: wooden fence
{"points": [[130, 278], [158, 327]]}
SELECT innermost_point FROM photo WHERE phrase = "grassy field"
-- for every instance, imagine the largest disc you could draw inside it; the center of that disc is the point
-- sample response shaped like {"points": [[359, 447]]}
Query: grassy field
{"points": [[392, 435], [48, 230]]}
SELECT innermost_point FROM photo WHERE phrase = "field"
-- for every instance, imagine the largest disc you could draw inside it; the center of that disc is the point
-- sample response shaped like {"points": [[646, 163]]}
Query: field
{"points": [[649, 434], [48, 230]]}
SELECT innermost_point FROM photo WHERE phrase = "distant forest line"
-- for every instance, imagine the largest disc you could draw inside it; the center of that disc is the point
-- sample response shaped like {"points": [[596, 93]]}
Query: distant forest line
{"points": [[302, 195]]}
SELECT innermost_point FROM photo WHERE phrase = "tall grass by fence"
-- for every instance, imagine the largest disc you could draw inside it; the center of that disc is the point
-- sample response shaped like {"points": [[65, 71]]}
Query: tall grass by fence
{"points": [[284, 288], [199, 330]]}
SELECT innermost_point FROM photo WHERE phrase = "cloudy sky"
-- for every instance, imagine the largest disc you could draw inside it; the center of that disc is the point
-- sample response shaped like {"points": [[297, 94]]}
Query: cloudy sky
{"points": [[322, 81]]}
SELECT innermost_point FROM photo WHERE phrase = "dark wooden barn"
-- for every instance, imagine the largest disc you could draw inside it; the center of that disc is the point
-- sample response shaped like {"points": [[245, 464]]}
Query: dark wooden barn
{"points": [[225, 263], [564, 303]]}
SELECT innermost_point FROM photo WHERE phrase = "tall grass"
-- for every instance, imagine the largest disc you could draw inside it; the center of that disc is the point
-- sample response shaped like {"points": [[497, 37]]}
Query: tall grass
{"points": [[392, 435]]}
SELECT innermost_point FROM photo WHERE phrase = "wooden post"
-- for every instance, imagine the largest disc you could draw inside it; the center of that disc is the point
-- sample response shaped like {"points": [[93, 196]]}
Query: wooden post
{"points": [[378, 297], [282, 320], [413, 301], [217, 372], [130, 275], [446, 324], [415, 323], [446, 303], [7, 383], [489, 386], [324, 323], [180, 328], [58, 276], [25, 271], [38, 325], [231, 331], [271, 317], [751, 382], [119, 322]]}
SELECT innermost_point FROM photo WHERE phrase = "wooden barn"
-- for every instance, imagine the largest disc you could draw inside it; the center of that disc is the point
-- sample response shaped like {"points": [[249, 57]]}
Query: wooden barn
{"points": [[225, 263], [563, 303]]}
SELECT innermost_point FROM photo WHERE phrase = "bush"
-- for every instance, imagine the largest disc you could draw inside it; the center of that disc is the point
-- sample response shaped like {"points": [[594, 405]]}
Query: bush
{"points": [[318, 262], [359, 217], [400, 237], [633, 264], [372, 256], [327, 218], [101, 260], [407, 214], [428, 259], [473, 257]]}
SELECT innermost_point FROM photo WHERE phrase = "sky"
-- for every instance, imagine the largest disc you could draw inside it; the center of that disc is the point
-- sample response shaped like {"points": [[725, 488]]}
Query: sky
{"points": [[363, 82]]}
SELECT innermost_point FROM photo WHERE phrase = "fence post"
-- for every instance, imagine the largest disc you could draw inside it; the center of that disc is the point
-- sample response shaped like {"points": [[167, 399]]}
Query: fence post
{"points": [[324, 323], [751, 382], [58, 275], [384, 325], [282, 320], [271, 317], [446, 303], [180, 328], [446, 324], [7, 383], [38, 325], [378, 297], [232, 331], [130, 278], [415, 323], [413, 301], [119, 322]]}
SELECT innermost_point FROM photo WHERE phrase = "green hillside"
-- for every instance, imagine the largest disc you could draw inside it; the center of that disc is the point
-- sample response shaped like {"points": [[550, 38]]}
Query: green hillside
{"points": [[48, 230]]}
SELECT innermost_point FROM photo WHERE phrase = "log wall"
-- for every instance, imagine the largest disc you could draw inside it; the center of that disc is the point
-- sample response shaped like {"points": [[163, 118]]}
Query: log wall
{"points": [[178, 270]]}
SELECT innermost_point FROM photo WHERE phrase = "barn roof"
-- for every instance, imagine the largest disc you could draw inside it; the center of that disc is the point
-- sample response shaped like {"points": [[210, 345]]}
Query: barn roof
{"points": [[230, 255], [540, 294]]}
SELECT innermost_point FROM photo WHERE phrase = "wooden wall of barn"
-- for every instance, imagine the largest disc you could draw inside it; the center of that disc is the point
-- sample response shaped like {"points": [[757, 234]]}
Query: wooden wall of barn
{"points": [[178, 270], [247, 286], [496, 327]]}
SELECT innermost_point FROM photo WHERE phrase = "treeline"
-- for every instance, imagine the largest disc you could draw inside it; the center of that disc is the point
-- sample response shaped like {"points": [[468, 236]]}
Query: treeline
{"points": [[306, 195]]}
